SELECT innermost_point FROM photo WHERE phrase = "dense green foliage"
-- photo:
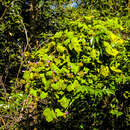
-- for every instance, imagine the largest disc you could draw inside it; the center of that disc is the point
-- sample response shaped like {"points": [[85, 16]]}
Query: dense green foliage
{"points": [[64, 68]]}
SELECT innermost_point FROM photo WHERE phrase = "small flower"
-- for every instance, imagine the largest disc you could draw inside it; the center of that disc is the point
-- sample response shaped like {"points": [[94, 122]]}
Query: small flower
{"points": [[85, 72], [71, 66], [66, 74], [77, 73], [53, 71], [23, 71], [28, 62], [36, 62], [71, 73], [47, 61], [56, 80], [47, 65], [66, 113]]}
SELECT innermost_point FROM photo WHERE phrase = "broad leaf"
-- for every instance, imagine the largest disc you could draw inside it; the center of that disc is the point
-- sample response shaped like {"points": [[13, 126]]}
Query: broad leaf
{"points": [[49, 114], [43, 95], [64, 102], [58, 112]]}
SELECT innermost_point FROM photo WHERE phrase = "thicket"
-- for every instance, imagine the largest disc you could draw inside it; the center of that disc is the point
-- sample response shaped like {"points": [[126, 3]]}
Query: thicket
{"points": [[64, 68]]}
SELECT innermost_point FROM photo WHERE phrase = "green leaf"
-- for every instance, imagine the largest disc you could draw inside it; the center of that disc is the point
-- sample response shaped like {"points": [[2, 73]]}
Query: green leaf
{"points": [[76, 84], [93, 53], [40, 4], [91, 90], [55, 68], [66, 42], [110, 50], [70, 88], [59, 85], [113, 68], [43, 79], [69, 34], [43, 95], [26, 75], [33, 92], [64, 70], [86, 69], [58, 34], [82, 89], [60, 48], [64, 102], [116, 112], [88, 18], [75, 68], [31, 76], [75, 44], [49, 73], [58, 112], [55, 86], [49, 114], [104, 71], [57, 61]]}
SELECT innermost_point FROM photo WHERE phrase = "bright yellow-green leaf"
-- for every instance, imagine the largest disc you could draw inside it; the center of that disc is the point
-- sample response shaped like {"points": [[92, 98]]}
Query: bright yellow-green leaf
{"points": [[43, 95], [33, 92], [43, 79], [58, 34], [31, 75], [115, 38], [58, 112], [26, 75], [113, 68], [49, 114], [76, 84], [104, 71], [66, 42], [110, 50], [60, 48], [69, 34], [75, 44], [74, 68], [70, 87], [114, 52], [55, 68], [81, 74], [93, 53], [88, 18], [64, 102]]}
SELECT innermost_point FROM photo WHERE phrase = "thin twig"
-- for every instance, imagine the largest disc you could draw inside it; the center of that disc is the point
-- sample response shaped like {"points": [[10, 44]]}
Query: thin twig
{"points": [[3, 13], [2, 84], [27, 41], [2, 120]]}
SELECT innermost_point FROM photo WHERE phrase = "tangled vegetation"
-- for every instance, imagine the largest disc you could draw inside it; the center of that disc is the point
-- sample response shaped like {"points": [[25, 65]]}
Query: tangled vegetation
{"points": [[66, 68]]}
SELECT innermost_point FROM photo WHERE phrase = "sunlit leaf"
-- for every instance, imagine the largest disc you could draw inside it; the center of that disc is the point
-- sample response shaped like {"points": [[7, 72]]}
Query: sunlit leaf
{"points": [[113, 68], [64, 102], [60, 48], [58, 34], [104, 70], [33, 92], [49, 114], [26, 75], [43, 95], [58, 112]]}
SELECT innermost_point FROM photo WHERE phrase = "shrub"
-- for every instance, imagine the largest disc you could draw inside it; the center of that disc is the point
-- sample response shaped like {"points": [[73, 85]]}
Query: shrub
{"points": [[77, 73]]}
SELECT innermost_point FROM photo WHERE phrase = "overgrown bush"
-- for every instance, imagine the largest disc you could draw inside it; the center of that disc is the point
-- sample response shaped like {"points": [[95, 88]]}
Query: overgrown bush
{"points": [[75, 78]]}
